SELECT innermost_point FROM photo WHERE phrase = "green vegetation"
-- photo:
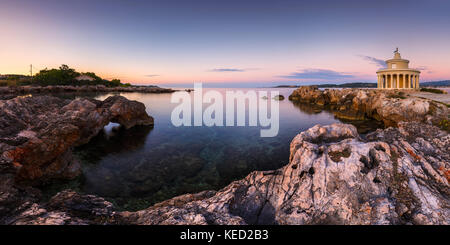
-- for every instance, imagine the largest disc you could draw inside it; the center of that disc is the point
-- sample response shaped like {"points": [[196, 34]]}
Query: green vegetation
{"points": [[4, 83], [432, 90], [337, 156], [62, 76], [14, 80], [400, 95], [442, 103], [444, 124]]}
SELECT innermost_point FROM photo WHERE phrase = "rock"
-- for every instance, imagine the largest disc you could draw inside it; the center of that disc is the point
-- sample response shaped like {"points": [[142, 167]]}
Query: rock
{"points": [[11, 92], [279, 97], [390, 107], [67, 208], [86, 205], [13, 199], [181, 210], [38, 133], [127, 113], [305, 93], [395, 176]]}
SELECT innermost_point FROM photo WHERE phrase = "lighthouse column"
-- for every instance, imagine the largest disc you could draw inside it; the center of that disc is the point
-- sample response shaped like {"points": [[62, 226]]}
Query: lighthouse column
{"points": [[407, 83]]}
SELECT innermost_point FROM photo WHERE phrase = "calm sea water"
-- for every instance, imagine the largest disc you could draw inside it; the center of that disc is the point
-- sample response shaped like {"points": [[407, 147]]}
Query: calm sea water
{"points": [[137, 167]]}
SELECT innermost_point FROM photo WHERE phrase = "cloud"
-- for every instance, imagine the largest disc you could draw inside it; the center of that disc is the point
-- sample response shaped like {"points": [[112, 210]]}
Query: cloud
{"points": [[378, 62], [322, 74], [227, 70], [152, 75], [424, 69], [421, 68]]}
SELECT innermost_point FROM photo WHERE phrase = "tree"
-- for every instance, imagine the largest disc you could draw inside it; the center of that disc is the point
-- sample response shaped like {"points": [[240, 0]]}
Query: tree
{"points": [[115, 82], [67, 76], [62, 76]]}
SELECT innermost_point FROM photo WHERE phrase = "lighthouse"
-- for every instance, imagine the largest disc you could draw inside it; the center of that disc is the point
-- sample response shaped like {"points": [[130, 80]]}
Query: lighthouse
{"points": [[398, 75]]}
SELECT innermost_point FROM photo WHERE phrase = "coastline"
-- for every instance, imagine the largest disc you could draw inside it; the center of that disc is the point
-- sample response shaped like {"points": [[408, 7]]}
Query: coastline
{"points": [[398, 163], [10, 92], [387, 106]]}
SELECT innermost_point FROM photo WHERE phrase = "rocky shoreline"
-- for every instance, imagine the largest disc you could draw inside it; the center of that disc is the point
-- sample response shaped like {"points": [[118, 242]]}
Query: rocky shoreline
{"points": [[397, 175], [387, 106], [37, 135], [12, 92]]}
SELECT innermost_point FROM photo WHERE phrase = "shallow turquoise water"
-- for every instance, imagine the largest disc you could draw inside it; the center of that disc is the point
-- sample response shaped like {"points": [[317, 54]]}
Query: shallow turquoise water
{"points": [[140, 166]]}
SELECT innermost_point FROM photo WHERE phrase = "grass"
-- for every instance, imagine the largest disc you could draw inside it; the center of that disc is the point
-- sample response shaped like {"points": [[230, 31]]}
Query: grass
{"points": [[448, 105], [440, 102], [400, 95], [444, 124], [337, 156], [14, 83], [432, 90]]}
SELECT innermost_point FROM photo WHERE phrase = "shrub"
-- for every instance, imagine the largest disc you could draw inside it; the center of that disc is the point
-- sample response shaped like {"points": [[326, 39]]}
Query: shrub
{"points": [[62, 76], [444, 124], [432, 90], [67, 76], [397, 96]]}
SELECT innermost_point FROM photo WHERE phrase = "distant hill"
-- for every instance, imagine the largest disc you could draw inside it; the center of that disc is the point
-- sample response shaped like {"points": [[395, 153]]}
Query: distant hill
{"points": [[12, 76], [444, 83], [348, 85], [344, 85]]}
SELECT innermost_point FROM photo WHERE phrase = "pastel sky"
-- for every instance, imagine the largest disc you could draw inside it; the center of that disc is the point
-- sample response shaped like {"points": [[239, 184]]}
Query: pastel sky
{"points": [[225, 43]]}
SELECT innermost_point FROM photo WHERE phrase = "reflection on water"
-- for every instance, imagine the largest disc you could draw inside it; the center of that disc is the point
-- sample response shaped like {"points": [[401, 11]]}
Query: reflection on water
{"points": [[359, 120], [140, 166], [76, 95]]}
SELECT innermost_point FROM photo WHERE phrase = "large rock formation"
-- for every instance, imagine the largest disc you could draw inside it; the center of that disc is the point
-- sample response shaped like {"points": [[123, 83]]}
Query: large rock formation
{"points": [[388, 106], [37, 135], [65, 208], [395, 176]]}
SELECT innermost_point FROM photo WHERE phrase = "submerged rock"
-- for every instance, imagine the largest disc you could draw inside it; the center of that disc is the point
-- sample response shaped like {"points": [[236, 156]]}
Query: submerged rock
{"points": [[396, 176]]}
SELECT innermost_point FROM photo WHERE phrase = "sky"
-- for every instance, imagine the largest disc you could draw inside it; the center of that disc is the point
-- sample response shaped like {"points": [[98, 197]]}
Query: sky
{"points": [[225, 43]]}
